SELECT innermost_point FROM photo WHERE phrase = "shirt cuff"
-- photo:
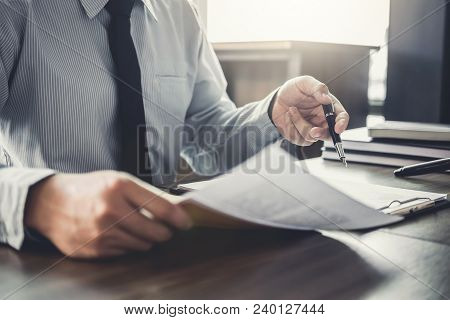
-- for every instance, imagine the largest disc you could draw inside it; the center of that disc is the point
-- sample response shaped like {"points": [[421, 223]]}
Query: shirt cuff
{"points": [[14, 186], [269, 131], [271, 105], [33, 237]]}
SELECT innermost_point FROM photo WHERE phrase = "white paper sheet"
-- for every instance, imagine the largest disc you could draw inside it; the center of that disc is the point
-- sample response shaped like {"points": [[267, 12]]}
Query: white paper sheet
{"points": [[271, 189]]}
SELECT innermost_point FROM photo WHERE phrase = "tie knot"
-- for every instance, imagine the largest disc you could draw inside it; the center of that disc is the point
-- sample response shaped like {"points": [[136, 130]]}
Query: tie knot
{"points": [[120, 7]]}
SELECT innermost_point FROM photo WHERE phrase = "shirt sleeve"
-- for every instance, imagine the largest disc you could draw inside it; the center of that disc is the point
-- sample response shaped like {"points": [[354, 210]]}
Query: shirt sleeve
{"points": [[218, 134], [14, 186], [14, 182], [9, 47], [3, 84]]}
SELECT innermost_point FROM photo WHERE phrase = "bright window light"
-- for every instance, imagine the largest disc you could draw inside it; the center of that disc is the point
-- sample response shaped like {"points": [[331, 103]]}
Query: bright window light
{"points": [[361, 22]]}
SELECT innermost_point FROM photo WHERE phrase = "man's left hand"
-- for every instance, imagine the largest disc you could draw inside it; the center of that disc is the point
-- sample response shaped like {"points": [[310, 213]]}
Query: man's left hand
{"points": [[298, 113]]}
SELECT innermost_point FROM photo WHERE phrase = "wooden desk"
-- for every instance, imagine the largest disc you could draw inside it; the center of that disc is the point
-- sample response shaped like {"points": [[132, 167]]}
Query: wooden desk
{"points": [[407, 261]]}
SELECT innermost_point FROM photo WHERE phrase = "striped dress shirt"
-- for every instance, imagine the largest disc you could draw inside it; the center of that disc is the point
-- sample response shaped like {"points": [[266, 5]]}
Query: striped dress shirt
{"points": [[58, 97]]}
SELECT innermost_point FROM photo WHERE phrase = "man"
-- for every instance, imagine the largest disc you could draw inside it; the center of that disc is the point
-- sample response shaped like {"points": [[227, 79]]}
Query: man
{"points": [[92, 85]]}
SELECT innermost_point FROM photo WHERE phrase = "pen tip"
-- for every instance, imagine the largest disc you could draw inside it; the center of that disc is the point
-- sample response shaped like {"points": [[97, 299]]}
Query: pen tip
{"points": [[344, 161]]}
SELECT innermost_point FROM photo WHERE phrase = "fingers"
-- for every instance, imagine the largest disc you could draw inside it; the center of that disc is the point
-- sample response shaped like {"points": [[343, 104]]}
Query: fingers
{"points": [[320, 133], [342, 117], [148, 230], [314, 129], [122, 228], [290, 132], [342, 124], [160, 208], [302, 127], [104, 254], [128, 242]]}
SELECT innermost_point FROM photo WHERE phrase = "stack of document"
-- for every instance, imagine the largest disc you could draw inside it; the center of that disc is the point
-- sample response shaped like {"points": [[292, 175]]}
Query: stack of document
{"points": [[396, 152], [410, 131]]}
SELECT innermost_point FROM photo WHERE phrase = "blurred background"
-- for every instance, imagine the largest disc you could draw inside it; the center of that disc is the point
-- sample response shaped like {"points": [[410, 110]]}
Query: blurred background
{"points": [[263, 43]]}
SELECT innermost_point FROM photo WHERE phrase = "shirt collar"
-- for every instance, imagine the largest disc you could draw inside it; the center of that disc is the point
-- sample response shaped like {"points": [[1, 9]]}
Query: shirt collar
{"points": [[93, 7]]}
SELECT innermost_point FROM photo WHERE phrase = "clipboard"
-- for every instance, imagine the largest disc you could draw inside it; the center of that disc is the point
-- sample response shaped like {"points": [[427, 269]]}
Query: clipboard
{"points": [[409, 203], [281, 194], [392, 201]]}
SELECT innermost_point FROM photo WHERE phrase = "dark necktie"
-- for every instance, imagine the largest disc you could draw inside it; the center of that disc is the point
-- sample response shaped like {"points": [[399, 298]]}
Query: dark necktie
{"points": [[128, 79]]}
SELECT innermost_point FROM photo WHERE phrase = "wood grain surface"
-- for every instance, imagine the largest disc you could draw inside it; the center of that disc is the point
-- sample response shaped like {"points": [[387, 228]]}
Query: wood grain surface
{"points": [[409, 260]]}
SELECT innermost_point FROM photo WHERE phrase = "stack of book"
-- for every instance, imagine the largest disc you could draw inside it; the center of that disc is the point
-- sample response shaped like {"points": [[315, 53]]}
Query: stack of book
{"points": [[393, 143]]}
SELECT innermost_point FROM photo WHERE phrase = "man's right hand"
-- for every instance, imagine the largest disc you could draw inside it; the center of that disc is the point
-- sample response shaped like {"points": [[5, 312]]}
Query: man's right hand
{"points": [[98, 214]]}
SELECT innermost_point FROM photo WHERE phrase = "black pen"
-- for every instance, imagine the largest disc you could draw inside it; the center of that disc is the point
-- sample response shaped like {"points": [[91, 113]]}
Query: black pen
{"points": [[435, 166], [330, 116]]}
